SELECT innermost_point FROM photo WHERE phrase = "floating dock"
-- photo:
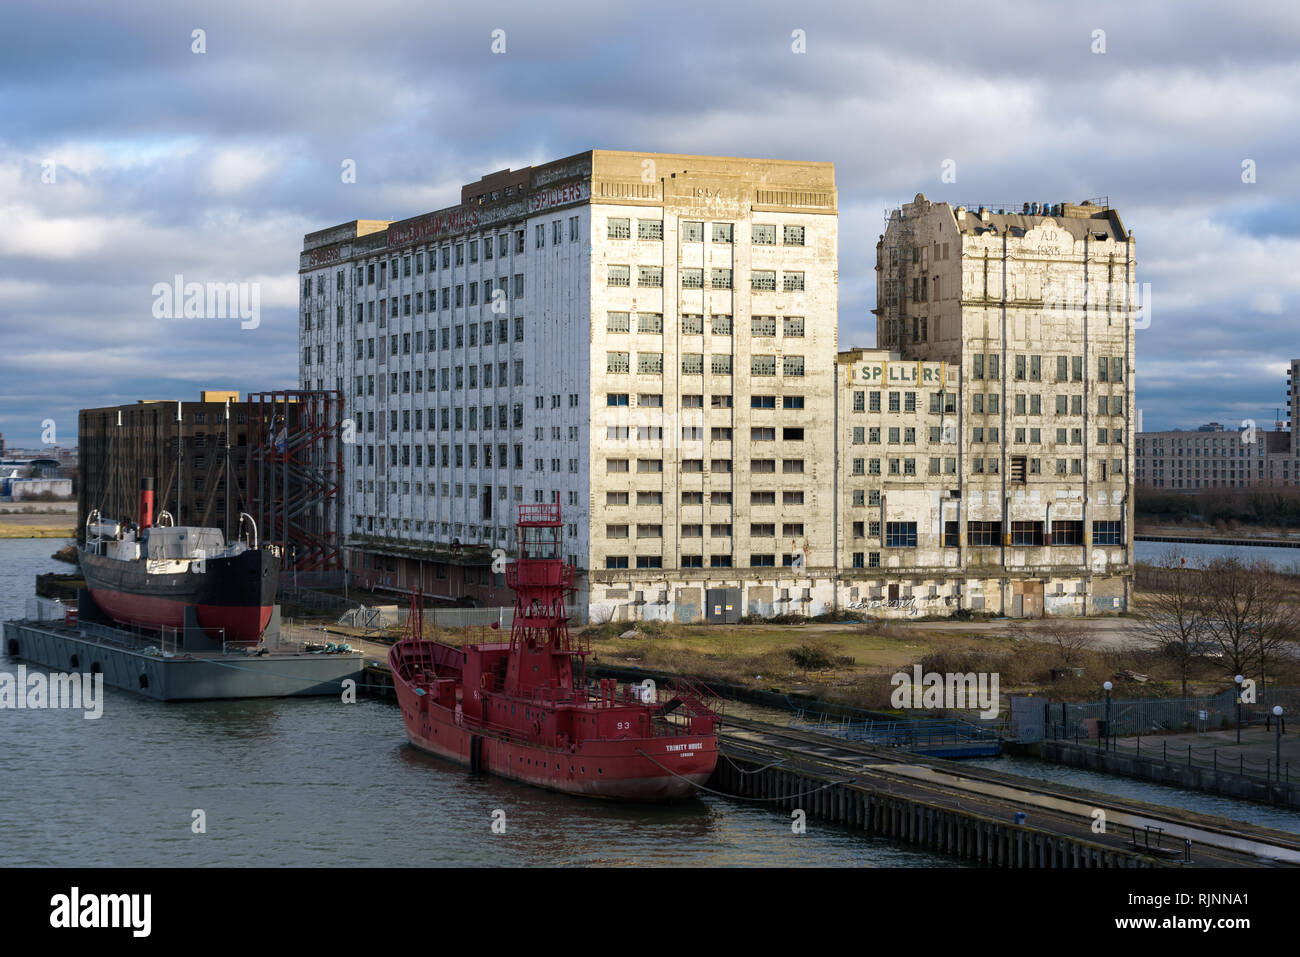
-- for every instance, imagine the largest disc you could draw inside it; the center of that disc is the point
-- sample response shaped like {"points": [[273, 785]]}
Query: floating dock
{"points": [[137, 663]]}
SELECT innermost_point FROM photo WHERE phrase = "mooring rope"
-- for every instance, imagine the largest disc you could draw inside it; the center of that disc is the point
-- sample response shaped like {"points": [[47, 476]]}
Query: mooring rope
{"points": [[741, 797], [741, 770]]}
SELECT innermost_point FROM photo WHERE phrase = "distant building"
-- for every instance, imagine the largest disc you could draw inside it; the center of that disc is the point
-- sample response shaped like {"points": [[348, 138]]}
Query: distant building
{"points": [[1215, 457]]}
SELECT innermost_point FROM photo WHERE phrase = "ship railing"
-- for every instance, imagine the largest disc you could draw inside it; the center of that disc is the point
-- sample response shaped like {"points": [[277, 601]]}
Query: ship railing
{"points": [[539, 574], [681, 706]]}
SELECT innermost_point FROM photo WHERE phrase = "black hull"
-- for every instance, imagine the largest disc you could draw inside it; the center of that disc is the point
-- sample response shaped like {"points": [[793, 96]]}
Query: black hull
{"points": [[232, 596]]}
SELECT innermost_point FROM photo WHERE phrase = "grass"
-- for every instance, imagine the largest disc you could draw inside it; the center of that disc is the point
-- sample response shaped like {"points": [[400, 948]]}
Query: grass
{"points": [[35, 531], [852, 664]]}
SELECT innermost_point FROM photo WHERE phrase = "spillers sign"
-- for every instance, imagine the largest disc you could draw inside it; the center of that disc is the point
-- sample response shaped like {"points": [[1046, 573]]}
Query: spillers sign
{"points": [[324, 255], [559, 196], [902, 373]]}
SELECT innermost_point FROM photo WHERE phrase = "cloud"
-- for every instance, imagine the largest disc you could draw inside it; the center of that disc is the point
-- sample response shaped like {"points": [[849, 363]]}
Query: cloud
{"points": [[214, 165]]}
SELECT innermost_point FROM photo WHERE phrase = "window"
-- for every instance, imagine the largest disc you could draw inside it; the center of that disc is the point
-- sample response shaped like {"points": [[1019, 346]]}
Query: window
{"points": [[1107, 533], [692, 364], [692, 278], [619, 275], [792, 326], [763, 234], [620, 229], [763, 365], [720, 364], [652, 229], [616, 561], [1067, 533], [650, 322], [720, 278], [792, 466], [616, 322], [650, 363], [721, 326], [722, 232], [615, 398], [793, 236], [762, 279], [793, 366], [983, 534], [692, 232], [1027, 533], [763, 325], [649, 276], [617, 362], [900, 534]]}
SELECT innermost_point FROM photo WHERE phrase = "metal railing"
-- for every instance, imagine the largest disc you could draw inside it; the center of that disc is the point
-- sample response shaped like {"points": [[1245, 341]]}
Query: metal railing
{"points": [[1229, 760], [905, 733], [1150, 715]]}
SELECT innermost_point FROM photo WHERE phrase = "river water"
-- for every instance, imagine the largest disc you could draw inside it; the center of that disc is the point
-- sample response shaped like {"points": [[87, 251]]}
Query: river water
{"points": [[1287, 559], [314, 782]]}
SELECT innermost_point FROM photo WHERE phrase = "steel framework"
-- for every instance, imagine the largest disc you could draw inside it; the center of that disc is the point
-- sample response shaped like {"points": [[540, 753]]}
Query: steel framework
{"points": [[295, 474]]}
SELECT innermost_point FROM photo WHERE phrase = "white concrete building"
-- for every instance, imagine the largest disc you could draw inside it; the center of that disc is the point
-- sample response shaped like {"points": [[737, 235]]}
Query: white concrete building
{"points": [[630, 335]]}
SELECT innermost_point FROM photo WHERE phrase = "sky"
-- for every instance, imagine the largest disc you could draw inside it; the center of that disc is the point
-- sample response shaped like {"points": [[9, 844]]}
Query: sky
{"points": [[133, 150]]}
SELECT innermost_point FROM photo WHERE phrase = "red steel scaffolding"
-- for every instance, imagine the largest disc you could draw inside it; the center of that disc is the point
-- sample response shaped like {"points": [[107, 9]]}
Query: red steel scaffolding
{"points": [[295, 475]]}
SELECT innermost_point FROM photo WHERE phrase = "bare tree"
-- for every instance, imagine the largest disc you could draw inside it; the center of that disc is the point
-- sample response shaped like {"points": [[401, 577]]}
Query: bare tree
{"points": [[1173, 617], [1248, 614], [1278, 623], [1069, 637]]}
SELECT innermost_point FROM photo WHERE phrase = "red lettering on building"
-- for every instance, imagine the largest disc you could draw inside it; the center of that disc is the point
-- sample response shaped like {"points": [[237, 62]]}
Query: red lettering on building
{"points": [[326, 254], [438, 224]]}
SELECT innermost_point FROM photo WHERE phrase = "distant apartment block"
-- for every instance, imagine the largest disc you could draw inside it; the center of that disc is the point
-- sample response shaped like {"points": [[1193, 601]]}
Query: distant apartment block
{"points": [[1215, 457]]}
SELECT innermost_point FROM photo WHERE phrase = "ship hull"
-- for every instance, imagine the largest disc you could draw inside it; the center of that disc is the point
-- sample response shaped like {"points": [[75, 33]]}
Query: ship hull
{"points": [[616, 775], [649, 769], [233, 597]]}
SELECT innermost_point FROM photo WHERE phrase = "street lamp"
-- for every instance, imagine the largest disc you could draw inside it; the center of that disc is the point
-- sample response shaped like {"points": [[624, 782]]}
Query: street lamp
{"points": [[1239, 679], [1107, 685], [1277, 713]]}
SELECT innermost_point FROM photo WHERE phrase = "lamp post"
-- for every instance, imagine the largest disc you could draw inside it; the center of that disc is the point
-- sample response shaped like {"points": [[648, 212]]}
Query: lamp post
{"points": [[1277, 713], [1239, 679], [1108, 686]]}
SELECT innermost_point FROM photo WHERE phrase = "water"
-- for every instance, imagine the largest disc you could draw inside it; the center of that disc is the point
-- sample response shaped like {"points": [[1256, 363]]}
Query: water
{"points": [[314, 782], [1262, 814], [1287, 559]]}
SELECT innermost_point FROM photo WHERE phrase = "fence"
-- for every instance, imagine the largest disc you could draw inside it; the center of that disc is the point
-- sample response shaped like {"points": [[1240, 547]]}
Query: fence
{"points": [[384, 616], [1233, 760], [1145, 716], [45, 609], [917, 734]]}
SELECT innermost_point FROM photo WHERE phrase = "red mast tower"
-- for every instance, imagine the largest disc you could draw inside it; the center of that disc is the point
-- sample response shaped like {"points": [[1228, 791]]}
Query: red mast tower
{"points": [[540, 661]]}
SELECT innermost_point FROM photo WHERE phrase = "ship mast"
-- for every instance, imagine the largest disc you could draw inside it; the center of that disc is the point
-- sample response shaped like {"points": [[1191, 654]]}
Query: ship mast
{"points": [[540, 651]]}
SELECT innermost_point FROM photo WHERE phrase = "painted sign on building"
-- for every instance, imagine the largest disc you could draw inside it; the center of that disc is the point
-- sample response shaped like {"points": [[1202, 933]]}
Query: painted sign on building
{"points": [[437, 224], [559, 196], [884, 372]]}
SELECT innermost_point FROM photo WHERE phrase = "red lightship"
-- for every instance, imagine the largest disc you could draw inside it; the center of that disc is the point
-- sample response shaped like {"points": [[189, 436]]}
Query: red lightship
{"points": [[514, 709]]}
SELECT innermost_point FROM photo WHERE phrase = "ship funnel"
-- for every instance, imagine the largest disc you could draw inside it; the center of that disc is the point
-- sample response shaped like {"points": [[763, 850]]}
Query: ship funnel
{"points": [[146, 503]]}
